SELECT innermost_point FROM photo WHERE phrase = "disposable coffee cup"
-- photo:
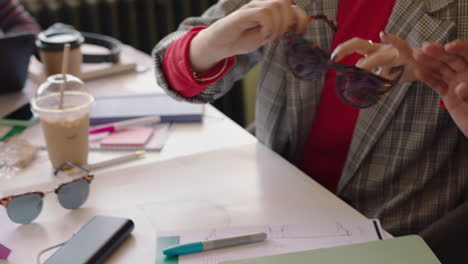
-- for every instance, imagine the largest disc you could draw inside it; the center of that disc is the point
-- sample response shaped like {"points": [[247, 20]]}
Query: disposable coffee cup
{"points": [[50, 44], [65, 129]]}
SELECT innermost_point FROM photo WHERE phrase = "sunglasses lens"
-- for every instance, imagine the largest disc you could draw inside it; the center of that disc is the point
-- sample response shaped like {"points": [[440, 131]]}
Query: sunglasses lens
{"points": [[306, 62], [359, 89], [25, 208], [72, 195]]}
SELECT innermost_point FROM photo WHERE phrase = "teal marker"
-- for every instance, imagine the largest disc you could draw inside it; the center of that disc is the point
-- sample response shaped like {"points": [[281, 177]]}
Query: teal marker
{"points": [[201, 246]]}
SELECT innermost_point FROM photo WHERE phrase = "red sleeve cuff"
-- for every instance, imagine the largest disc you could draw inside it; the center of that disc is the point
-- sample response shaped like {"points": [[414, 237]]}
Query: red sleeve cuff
{"points": [[178, 71], [441, 104]]}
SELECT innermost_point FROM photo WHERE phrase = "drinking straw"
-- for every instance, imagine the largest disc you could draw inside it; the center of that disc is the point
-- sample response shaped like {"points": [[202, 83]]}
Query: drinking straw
{"points": [[66, 52]]}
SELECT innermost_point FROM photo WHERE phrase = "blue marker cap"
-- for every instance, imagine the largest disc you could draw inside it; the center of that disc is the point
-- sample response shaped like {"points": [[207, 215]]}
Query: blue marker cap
{"points": [[184, 249], [214, 244]]}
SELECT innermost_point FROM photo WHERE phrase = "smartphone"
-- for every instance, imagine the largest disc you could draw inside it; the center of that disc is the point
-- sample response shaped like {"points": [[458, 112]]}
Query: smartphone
{"points": [[94, 242], [22, 116]]}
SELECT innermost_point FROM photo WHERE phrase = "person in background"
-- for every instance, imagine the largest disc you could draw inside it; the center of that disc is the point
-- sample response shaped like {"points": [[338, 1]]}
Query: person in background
{"points": [[402, 160], [15, 19]]}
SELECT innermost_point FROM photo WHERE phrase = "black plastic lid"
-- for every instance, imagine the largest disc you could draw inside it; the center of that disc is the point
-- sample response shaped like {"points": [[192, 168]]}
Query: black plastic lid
{"points": [[54, 39]]}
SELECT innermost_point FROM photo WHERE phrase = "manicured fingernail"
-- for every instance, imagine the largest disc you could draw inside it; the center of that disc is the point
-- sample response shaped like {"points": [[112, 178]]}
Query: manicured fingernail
{"points": [[383, 35], [333, 56]]}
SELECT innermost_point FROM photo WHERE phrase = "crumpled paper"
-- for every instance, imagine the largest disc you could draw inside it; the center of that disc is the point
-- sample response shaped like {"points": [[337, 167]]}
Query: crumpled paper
{"points": [[15, 154]]}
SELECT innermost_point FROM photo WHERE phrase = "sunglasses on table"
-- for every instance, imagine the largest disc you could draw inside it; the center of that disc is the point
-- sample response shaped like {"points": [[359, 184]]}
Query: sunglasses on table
{"points": [[356, 87], [26, 207]]}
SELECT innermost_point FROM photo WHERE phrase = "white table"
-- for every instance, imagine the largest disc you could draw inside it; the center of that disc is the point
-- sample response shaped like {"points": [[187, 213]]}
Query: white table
{"points": [[211, 174], [244, 185], [216, 131]]}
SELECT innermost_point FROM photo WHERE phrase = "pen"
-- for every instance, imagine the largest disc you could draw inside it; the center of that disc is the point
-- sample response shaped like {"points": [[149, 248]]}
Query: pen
{"points": [[213, 244], [127, 123], [118, 160]]}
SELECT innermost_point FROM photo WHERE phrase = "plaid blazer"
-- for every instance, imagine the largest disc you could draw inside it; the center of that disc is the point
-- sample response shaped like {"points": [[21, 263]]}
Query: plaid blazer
{"points": [[408, 161]]}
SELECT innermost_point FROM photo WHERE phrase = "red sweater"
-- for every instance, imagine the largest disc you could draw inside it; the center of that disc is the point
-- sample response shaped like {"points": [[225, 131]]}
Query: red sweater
{"points": [[329, 138], [176, 66]]}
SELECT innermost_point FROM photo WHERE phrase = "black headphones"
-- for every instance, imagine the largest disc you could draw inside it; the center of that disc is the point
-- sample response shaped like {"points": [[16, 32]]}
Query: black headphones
{"points": [[112, 44], [54, 37]]}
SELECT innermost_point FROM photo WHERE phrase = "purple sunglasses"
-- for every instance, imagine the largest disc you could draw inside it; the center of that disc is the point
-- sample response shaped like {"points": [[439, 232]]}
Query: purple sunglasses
{"points": [[355, 86]]}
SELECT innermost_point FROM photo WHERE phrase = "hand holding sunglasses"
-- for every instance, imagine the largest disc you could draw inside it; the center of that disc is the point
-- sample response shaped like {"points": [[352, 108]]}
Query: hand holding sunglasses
{"points": [[24, 208], [245, 30], [379, 58], [355, 86]]}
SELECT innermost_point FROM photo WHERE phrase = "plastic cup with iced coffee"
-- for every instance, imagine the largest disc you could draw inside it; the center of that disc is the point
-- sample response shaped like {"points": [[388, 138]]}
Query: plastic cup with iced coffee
{"points": [[64, 118]]}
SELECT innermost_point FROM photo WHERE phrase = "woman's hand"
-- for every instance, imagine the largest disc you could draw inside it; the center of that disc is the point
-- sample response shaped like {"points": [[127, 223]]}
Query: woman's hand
{"points": [[459, 49], [445, 69], [385, 60], [245, 30]]}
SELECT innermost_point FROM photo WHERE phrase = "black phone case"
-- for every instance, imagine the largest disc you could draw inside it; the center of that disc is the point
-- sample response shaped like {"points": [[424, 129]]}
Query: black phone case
{"points": [[94, 242]]}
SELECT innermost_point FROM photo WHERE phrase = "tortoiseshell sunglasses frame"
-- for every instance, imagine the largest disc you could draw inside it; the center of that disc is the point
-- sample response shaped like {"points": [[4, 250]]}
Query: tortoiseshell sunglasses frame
{"points": [[88, 177], [4, 201], [293, 39]]}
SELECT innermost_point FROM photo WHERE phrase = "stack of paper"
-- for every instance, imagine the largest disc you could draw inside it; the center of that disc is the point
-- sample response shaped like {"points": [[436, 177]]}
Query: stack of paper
{"points": [[281, 239], [330, 243]]}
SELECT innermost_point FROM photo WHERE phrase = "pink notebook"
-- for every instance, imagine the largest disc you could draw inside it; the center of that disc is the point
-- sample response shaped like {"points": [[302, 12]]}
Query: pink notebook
{"points": [[128, 137]]}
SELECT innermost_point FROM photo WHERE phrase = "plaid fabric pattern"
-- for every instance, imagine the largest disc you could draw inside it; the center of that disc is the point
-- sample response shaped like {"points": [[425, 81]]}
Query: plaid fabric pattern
{"points": [[408, 162]]}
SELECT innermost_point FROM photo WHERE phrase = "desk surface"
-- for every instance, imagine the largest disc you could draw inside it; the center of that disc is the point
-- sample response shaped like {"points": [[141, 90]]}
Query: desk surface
{"points": [[212, 174], [245, 185], [216, 131]]}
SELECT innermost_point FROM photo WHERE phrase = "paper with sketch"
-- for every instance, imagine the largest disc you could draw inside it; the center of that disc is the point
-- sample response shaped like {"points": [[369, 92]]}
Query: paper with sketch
{"points": [[280, 239]]}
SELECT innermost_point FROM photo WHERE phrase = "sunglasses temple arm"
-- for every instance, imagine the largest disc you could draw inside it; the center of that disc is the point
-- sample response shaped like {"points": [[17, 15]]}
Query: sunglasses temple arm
{"points": [[68, 163], [62, 166], [326, 19]]}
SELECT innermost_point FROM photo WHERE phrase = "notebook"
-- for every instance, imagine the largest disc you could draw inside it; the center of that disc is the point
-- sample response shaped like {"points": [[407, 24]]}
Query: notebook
{"points": [[108, 109], [402, 250], [137, 136], [155, 142], [15, 52]]}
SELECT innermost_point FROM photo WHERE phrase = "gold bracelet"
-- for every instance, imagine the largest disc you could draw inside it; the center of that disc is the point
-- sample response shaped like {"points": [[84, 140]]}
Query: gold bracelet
{"points": [[195, 75]]}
